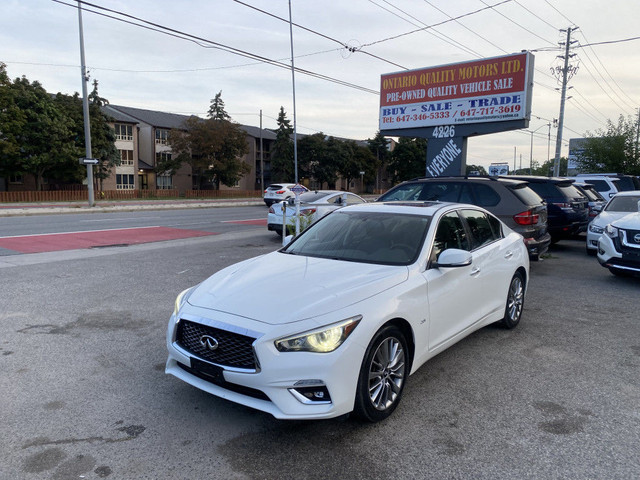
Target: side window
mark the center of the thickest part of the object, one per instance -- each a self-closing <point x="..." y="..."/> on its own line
<point x="485" y="196"/>
<point x="444" y="192"/>
<point x="496" y="226"/>
<point x="410" y="191"/>
<point x="449" y="234"/>
<point x="480" y="227"/>
<point x="353" y="199"/>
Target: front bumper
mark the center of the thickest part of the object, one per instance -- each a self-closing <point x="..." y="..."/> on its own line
<point x="275" y="387"/>
<point x="610" y="257"/>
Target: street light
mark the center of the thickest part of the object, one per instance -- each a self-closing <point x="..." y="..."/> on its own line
<point x="531" y="149"/>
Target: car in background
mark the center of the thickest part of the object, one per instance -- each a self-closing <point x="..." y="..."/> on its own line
<point x="512" y="201"/>
<point x="596" y="201"/>
<point x="624" y="183"/>
<point x="568" y="208"/>
<point x="277" y="192"/>
<point x="606" y="185"/>
<point x="620" y="205"/>
<point x="313" y="205"/>
<point x="337" y="320"/>
<point x="619" y="245"/>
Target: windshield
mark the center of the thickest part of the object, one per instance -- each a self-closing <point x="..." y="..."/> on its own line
<point x="368" y="237"/>
<point x="623" y="204"/>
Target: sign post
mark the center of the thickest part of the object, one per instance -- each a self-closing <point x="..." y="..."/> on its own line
<point x="297" y="189"/>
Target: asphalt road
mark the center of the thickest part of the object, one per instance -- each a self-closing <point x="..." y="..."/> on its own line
<point x="83" y="392"/>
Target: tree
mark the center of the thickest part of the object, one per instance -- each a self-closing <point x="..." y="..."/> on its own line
<point x="357" y="159"/>
<point x="216" y="110"/>
<point x="408" y="159"/>
<point x="614" y="149"/>
<point x="282" y="166"/>
<point x="379" y="146"/>
<point x="212" y="147"/>
<point x="12" y="124"/>
<point x="475" y="168"/>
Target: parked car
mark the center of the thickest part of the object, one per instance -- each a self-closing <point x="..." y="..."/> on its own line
<point x="512" y="201"/>
<point x="619" y="245"/>
<point x="568" y="208"/>
<point x="338" y="319"/>
<point x="596" y="201"/>
<point x="278" y="192"/>
<point x="620" y="205"/>
<point x="313" y="205"/>
<point x="606" y="185"/>
<point x="624" y="183"/>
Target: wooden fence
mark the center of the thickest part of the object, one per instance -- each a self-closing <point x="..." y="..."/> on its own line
<point x="82" y="195"/>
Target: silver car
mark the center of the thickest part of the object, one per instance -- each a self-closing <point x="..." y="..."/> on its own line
<point x="620" y="205"/>
<point x="313" y="206"/>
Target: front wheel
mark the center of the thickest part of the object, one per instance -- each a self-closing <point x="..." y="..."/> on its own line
<point x="515" y="302"/>
<point x="382" y="375"/>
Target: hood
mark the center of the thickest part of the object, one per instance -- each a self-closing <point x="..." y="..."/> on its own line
<point x="279" y="288"/>
<point x="605" y="218"/>
<point x="631" y="221"/>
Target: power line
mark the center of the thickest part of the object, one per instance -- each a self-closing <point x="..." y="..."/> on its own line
<point x="516" y="23"/>
<point x="434" y="25"/>
<point x="216" y="45"/>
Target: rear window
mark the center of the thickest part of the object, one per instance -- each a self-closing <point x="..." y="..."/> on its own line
<point x="545" y="190"/>
<point x="570" y="191"/>
<point x="312" y="196"/>
<point x="526" y="195"/>
<point x="274" y="187"/>
<point x="625" y="184"/>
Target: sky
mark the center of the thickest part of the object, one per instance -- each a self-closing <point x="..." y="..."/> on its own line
<point x="350" y="44"/>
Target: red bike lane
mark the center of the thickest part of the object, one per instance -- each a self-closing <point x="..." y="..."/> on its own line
<point x="95" y="238"/>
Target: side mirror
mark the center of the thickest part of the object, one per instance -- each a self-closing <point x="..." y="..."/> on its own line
<point x="287" y="240"/>
<point x="454" y="258"/>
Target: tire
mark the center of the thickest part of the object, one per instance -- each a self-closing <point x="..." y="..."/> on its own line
<point x="383" y="374"/>
<point x="515" y="302"/>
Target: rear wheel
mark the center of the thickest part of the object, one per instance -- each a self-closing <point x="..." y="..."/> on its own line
<point x="382" y="375"/>
<point x="515" y="302"/>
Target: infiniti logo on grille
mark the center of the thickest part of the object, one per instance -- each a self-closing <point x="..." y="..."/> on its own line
<point x="209" y="342"/>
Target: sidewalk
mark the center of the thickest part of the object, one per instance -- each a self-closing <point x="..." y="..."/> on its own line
<point x="17" y="209"/>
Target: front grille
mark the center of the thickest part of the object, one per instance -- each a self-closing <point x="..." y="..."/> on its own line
<point x="234" y="349"/>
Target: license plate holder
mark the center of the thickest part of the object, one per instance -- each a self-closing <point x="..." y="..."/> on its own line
<point x="208" y="369"/>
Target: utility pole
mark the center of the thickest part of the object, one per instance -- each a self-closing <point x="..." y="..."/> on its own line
<point x="637" y="135"/>
<point x="565" y="72"/>
<point x="85" y="110"/>
<point x="293" y="81"/>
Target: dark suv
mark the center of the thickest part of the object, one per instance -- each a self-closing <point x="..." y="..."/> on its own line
<point x="568" y="208"/>
<point x="512" y="201"/>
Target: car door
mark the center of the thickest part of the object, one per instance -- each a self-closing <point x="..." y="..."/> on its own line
<point x="490" y="259"/>
<point x="453" y="293"/>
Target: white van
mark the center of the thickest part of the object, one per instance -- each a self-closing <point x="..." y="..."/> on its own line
<point x="605" y="185"/>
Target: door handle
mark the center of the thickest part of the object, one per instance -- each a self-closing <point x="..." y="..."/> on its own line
<point x="508" y="255"/>
<point x="475" y="271"/>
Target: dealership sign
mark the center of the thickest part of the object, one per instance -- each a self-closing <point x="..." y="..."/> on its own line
<point x="489" y="90"/>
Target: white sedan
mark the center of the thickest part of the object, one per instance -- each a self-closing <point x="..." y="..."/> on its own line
<point x="337" y="320"/>
<point x="619" y="245"/>
<point x="313" y="206"/>
<point x="620" y="205"/>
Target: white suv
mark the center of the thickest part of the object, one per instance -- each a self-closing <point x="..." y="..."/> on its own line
<point x="278" y="192"/>
<point x="605" y="185"/>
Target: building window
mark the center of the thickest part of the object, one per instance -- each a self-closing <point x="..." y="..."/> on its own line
<point x="16" y="178"/>
<point x="124" y="182"/>
<point x="163" y="182"/>
<point x="126" y="157"/>
<point x="161" y="136"/>
<point x="162" y="157"/>
<point x="124" y="132"/>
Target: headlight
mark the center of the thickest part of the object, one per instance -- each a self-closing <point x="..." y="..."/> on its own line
<point x="180" y="299"/>
<point x="593" y="228"/>
<point x="322" y="340"/>
<point x="611" y="231"/>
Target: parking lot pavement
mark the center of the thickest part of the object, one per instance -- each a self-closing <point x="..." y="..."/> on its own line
<point x="84" y="394"/>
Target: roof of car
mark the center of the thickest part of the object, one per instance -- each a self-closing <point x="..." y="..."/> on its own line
<point x="408" y="207"/>
<point x="453" y="178"/>
<point x="540" y="179"/>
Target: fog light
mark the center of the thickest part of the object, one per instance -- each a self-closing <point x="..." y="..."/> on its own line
<point x="317" y="395"/>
